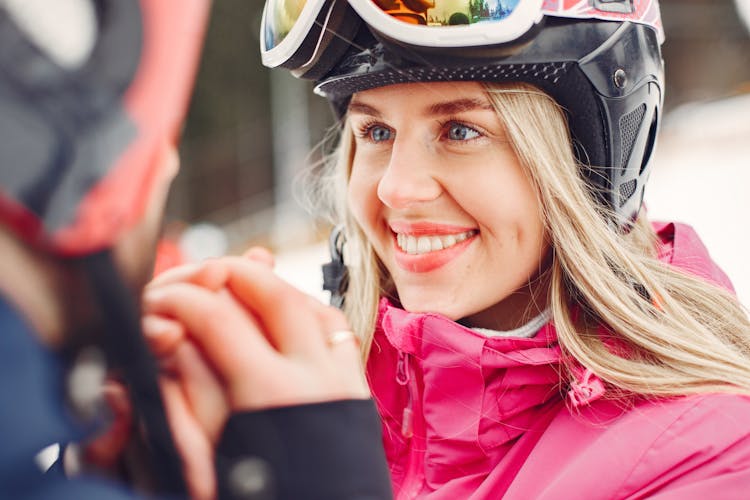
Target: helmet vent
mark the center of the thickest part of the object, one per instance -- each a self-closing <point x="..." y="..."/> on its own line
<point x="626" y="191"/>
<point x="651" y="142"/>
<point x="630" y="124"/>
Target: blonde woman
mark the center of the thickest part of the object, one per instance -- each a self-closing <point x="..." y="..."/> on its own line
<point x="528" y="332"/>
<point x="517" y="345"/>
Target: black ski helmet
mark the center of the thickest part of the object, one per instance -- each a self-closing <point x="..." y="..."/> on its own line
<point x="599" y="59"/>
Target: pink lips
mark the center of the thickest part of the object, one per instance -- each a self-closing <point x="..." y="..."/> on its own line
<point x="426" y="262"/>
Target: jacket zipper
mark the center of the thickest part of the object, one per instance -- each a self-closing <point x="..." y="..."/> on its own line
<point x="412" y="483"/>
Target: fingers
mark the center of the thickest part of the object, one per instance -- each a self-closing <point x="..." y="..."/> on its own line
<point x="301" y="326"/>
<point x="202" y="389"/>
<point x="210" y="274"/>
<point x="290" y="318"/>
<point x="191" y="442"/>
<point x="269" y="343"/>
<point x="179" y="273"/>
<point x="338" y="337"/>
<point x="261" y="255"/>
<point x="224" y="331"/>
<point x="163" y="335"/>
<point x="343" y="349"/>
<point x="292" y="321"/>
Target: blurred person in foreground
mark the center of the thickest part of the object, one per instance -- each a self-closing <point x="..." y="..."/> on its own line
<point x="92" y="96"/>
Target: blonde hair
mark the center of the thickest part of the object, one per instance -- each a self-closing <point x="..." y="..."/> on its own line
<point x="640" y="325"/>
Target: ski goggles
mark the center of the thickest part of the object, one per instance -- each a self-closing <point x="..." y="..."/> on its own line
<point x="296" y="33"/>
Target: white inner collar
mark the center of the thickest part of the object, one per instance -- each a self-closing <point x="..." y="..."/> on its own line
<point x="526" y="331"/>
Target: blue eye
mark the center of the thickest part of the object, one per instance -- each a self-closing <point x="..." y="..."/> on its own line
<point x="460" y="132"/>
<point x="380" y="134"/>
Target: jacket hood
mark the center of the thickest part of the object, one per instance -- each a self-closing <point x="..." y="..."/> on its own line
<point x="682" y="247"/>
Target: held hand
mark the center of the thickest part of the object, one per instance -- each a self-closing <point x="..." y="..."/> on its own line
<point x="197" y="409"/>
<point x="233" y="336"/>
<point x="164" y="335"/>
<point x="270" y="344"/>
<point x="193" y="395"/>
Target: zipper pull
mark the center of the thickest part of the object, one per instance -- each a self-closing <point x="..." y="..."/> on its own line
<point x="407" y="421"/>
<point x="402" y="378"/>
<point x="402" y="368"/>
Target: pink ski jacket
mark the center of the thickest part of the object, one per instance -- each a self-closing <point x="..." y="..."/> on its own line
<point x="472" y="417"/>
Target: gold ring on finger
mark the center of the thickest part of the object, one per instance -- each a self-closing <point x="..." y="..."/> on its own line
<point x="340" y="336"/>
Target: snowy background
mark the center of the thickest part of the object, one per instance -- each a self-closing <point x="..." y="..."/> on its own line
<point x="701" y="176"/>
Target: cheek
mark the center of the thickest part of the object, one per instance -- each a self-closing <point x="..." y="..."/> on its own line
<point x="505" y="205"/>
<point x="533" y="218"/>
<point x="528" y="220"/>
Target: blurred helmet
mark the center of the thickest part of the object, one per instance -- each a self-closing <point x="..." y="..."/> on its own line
<point x="599" y="59"/>
<point x="89" y="91"/>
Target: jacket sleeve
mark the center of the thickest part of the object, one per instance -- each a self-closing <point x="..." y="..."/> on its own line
<point x="732" y="485"/>
<point x="330" y="451"/>
<point x="704" y="453"/>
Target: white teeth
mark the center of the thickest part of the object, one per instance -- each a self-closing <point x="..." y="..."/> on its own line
<point x="414" y="245"/>
<point x="411" y="245"/>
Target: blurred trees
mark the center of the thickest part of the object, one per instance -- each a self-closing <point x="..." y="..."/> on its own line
<point x="225" y="151"/>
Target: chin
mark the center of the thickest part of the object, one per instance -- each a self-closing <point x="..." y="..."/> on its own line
<point x="444" y="307"/>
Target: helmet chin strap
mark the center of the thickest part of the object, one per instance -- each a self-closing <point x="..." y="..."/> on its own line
<point x="127" y="352"/>
<point x="335" y="273"/>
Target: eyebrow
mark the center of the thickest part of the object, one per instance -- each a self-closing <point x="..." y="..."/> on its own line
<point x="363" y="109"/>
<point x="459" y="106"/>
<point x="439" y="108"/>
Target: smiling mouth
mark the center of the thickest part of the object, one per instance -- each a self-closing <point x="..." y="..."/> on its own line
<point x="418" y="245"/>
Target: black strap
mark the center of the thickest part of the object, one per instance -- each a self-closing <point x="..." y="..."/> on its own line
<point x="127" y="351"/>
<point x="335" y="273"/>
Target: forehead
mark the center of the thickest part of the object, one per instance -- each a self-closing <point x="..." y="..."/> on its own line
<point x="430" y="98"/>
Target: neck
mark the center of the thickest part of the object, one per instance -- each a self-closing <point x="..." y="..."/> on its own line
<point x="517" y="309"/>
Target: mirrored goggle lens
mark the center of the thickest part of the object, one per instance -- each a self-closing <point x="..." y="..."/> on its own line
<point x="281" y="16"/>
<point x="447" y="12"/>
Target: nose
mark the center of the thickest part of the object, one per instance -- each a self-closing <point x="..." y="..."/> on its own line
<point x="408" y="178"/>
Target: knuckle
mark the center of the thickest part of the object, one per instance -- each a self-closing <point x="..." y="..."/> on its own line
<point x="212" y="321"/>
<point x="331" y="315"/>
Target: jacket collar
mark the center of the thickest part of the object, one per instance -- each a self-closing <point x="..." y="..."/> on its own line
<point x="471" y="395"/>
